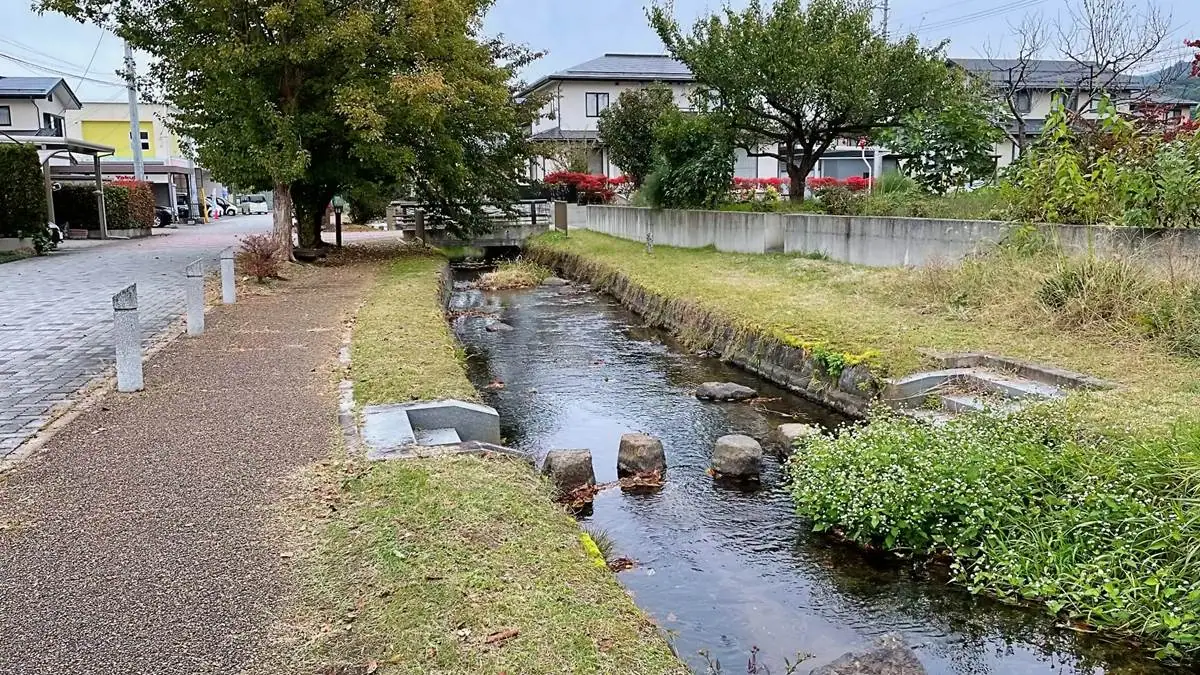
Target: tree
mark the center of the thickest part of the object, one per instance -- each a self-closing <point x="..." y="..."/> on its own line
<point x="627" y="127"/>
<point x="802" y="76"/>
<point x="953" y="145"/>
<point x="312" y="97"/>
<point x="693" y="161"/>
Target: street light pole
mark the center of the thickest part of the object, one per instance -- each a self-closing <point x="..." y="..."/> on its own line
<point x="135" y="125"/>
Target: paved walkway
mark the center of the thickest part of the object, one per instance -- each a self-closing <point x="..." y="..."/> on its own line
<point x="139" y="539"/>
<point x="56" y="312"/>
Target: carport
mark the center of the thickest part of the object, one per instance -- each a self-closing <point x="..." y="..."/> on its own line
<point x="51" y="147"/>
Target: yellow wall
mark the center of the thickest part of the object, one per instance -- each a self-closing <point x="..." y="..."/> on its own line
<point x="115" y="133"/>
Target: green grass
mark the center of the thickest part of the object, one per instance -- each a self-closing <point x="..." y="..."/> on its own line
<point x="988" y="304"/>
<point x="410" y="566"/>
<point x="431" y="557"/>
<point x="13" y="256"/>
<point x="402" y="348"/>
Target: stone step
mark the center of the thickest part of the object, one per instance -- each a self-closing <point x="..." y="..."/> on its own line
<point x="961" y="403"/>
<point x="431" y="437"/>
<point x="386" y="428"/>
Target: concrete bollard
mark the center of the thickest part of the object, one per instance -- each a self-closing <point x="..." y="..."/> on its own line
<point x="195" y="297"/>
<point x="127" y="333"/>
<point x="391" y="218"/>
<point x="228" y="283"/>
<point x="560" y="216"/>
<point x="419" y="225"/>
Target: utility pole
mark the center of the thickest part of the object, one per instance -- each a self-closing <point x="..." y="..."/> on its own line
<point x="135" y="125"/>
<point x="885" y="19"/>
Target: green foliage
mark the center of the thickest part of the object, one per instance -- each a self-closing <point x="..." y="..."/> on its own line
<point x="840" y="200"/>
<point x="1093" y="290"/>
<point x="22" y="193"/>
<point x="627" y="128"/>
<point x="694" y="166"/>
<point x="895" y="183"/>
<point x="570" y="156"/>
<point x="1102" y="531"/>
<point x="799" y="75"/>
<point x="1112" y="172"/>
<point x="126" y="206"/>
<point x="952" y="145"/>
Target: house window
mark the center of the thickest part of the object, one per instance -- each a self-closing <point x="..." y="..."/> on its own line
<point x="5" y="116"/>
<point x="52" y="123"/>
<point x="596" y="103"/>
<point x="1024" y="102"/>
<point x="1068" y="102"/>
<point x="145" y="137"/>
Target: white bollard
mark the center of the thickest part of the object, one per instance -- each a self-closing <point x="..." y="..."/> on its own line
<point x="127" y="333"/>
<point x="195" y="297"/>
<point x="228" y="285"/>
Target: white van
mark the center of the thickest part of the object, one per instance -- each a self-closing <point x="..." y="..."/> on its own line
<point x="253" y="204"/>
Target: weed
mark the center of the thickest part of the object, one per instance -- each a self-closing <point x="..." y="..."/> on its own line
<point x="259" y="256"/>
<point x="603" y="540"/>
<point x="511" y="274"/>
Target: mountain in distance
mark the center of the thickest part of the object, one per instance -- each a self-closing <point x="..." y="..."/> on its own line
<point x="1176" y="81"/>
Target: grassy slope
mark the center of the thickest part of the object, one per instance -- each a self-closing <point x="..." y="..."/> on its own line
<point x="894" y="312"/>
<point x="416" y="563"/>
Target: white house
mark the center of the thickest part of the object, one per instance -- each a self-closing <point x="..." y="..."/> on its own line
<point x="580" y="93"/>
<point x="35" y="106"/>
<point x="1035" y="86"/>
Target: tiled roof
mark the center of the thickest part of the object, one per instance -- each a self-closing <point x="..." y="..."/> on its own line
<point x="1041" y="73"/>
<point x="638" y="67"/>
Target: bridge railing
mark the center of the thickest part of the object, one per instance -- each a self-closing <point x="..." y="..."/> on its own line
<point x="535" y="212"/>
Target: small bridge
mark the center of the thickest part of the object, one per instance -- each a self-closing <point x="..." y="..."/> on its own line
<point x="511" y="226"/>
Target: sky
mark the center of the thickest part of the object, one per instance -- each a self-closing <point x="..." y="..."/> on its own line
<point x="570" y="31"/>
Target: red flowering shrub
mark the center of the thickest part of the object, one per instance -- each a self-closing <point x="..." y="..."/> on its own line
<point x="586" y="188"/>
<point x="140" y="202"/>
<point x="853" y="183"/>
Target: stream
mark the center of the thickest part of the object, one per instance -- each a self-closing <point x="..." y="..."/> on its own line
<point x="721" y="569"/>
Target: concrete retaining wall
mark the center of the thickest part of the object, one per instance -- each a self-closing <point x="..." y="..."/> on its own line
<point x="878" y="241"/>
<point x="727" y="231"/>
<point x="14" y="244"/>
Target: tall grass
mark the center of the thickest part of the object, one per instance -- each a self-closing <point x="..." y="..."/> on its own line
<point x="1028" y="508"/>
<point x="510" y="274"/>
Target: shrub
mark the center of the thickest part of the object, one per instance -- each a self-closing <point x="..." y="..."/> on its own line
<point x="841" y="200"/>
<point x="259" y="256"/>
<point x="1026" y="507"/>
<point x="22" y="194"/>
<point x="139" y="211"/>
<point x="127" y="205"/>
<point x="695" y="162"/>
<point x="584" y="188"/>
<point x="894" y="182"/>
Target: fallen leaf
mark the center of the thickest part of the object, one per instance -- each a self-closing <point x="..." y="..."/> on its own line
<point x="621" y="564"/>
<point x="372" y="666"/>
<point x="500" y="636"/>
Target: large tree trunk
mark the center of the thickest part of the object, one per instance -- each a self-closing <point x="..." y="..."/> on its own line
<point x="311" y="203"/>
<point x="282" y="218"/>
<point x="798" y="172"/>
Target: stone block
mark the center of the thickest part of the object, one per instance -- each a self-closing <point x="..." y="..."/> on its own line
<point x="569" y="470"/>
<point x="724" y="391"/>
<point x="640" y="454"/>
<point x="784" y="437"/>
<point x="738" y="457"/>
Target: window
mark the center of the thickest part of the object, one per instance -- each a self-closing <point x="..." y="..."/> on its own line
<point x="5" y="116"/>
<point x="145" y="138"/>
<point x="1024" y="102"/>
<point x="596" y="103"/>
<point x="1061" y="98"/>
<point x="52" y="123"/>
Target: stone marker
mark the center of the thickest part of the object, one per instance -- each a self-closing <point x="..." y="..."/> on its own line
<point x="640" y="454"/>
<point x="724" y="391"/>
<point x="127" y="332"/>
<point x="498" y="327"/>
<point x="738" y="457"/>
<point x="785" y="436"/>
<point x="569" y="470"/>
<point x="419" y="226"/>
<point x="194" y="290"/>
<point x="228" y="283"/>
<point x="554" y="281"/>
<point x="560" y="216"/>
<point x="889" y="656"/>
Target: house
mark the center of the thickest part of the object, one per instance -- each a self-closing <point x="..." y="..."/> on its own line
<point x="1035" y="86"/>
<point x="174" y="177"/>
<point x="577" y="96"/>
<point x="1167" y="109"/>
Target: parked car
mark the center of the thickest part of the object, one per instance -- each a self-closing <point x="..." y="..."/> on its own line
<point x="163" y="216"/>
<point x="253" y="204"/>
<point x="227" y="209"/>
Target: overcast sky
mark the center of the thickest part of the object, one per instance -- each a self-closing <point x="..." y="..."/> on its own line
<point x="570" y="31"/>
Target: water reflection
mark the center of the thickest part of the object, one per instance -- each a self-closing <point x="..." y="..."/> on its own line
<point x="725" y="569"/>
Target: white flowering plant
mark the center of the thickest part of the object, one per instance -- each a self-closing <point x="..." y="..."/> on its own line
<point x="1102" y="531"/>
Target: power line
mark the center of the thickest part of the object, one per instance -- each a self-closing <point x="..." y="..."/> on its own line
<point x="92" y="60"/>
<point x="978" y="15"/>
<point x="56" y="71"/>
<point x="54" y="59"/>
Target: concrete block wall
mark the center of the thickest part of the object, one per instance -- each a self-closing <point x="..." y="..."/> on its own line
<point x="880" y="241"/>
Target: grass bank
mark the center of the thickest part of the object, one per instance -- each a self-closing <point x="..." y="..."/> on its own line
<point x="454" y="565"/>
<point x="988" y="304"/>
<point x="1087" y="507"/>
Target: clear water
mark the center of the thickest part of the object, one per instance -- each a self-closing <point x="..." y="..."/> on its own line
<point x="722" y="569"/>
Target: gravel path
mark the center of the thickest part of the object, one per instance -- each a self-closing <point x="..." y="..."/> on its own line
<point x="138" y="540"/>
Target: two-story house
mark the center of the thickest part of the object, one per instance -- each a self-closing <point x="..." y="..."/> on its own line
<point x="35" y="106"/>
<point x="577" y="95"/>
<point x="1033" y="87"/>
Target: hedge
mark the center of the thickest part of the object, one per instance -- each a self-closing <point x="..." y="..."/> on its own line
<point x="128" y="205"/>
<point x="22" y="192"/>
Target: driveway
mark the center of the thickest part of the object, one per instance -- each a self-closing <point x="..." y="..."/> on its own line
<point x="56" y="312"/>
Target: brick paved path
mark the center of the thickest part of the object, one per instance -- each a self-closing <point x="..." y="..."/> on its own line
<point x="56" y="313"/>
